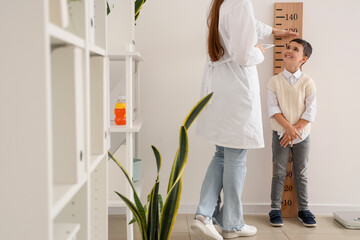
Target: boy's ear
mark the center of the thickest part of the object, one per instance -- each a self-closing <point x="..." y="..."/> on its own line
<point x="304" y="59"/>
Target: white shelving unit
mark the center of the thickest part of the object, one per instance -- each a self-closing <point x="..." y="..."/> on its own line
<point x="124" y="81"/>
<point x="55" y="128"/>
<point x="133" y="126"/>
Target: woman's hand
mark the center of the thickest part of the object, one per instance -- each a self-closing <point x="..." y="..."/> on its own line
<point x="260" y="47"/>
<point x="284" y="33"/>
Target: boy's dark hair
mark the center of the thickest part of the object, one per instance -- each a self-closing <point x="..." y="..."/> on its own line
<point x="305" y="44"/>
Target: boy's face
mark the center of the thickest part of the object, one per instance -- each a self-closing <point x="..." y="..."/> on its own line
<point x="294" y="55"/>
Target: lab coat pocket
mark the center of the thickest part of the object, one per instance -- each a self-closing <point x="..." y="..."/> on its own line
<point x="239" y="74"/>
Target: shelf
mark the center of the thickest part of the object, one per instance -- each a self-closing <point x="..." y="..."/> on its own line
<point x="116" y="204"/>
<point x="123" y="128"/>
<point x="62" y="195"/>
<point x="121" y="56"/>
<point x="60" y="36"/>
<point x="96" y="160"/>
<point x="67" y="106"/>
<point x="96" y="50"/>
<point x="66" y="231"/>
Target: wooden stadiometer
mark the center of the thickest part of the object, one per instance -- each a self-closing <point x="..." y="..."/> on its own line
<point x="287" y="16"/>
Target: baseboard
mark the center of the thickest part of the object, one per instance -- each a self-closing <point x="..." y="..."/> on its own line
<point x="259" y="208"/>
<point x="264" y="208"/>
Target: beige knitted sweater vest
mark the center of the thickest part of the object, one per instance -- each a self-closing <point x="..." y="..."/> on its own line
<point x="291" y="99"/>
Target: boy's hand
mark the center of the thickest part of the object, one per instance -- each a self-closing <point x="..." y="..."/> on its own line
<point x="290" y="134"/>
<point x="284" y="143"/>
<point x="286" y="139"/>
<point x="301" y="124"/>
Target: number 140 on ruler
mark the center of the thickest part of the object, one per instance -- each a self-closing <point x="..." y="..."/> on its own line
<point x="288" y="16"/>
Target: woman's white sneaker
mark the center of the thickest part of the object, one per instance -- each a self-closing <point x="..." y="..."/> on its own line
<point x="206" y="231"/>
<point x="246" y="231"/>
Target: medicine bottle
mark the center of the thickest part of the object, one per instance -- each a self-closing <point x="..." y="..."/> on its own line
<point x="120" y="111"/>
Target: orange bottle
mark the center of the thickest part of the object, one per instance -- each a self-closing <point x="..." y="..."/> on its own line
<point x="120" y="111"/>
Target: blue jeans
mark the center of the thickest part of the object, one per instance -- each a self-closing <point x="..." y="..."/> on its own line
<point x="226" y="172"/>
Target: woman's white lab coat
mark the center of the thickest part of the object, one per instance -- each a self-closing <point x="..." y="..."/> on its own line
<point x="233" y="117"/>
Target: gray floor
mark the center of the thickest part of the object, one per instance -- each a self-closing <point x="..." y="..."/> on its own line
<point x="327" y="229"/>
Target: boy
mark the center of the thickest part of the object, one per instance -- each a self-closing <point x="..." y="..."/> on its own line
<point x="292" y="107"/>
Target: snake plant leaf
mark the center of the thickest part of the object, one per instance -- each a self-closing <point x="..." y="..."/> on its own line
<point x="138" y="5"/>
<point x="107" y="8"/>
<point x="180" y="159"/>
<point x="153" y="214"/>
<point x="172" y="201"/>
<point x="190" y="118"/>
<point x="136" y="196"/>
<point x="132" y="221"/>
<point x="134" y="210"/>
<point x="169" y="211"/>
<point x="196" y="110"/>
<point x="158" y="159"/>
<point x="160" y="202"/>
<point x="171" y="178"/>
<point x="146" y="212"/>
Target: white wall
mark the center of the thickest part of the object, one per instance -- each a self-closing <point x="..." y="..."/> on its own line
<point x="171" y="36"/>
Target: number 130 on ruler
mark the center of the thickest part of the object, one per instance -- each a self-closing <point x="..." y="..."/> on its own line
<point x="288" y="16"/>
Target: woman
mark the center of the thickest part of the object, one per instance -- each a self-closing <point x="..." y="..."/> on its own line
<point x="232" y="120"/>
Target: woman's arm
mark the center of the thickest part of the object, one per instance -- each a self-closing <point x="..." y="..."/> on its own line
<point x="284" y="33"/>
<point x="243" y="35"/>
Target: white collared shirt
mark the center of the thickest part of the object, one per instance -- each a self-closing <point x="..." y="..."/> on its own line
<point x="310" y="102"/>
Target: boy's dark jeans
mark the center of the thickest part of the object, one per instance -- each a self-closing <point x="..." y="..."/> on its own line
<point x="300" y="153"/>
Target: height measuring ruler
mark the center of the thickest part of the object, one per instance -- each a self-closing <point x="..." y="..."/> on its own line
<point x="288" y="16"/>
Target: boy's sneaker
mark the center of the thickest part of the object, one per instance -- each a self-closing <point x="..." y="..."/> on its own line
<point x="307" y="218"/>
<point x="204" y="228"/>
<point x="246" y="231"/>
<point x="275" y="218"/>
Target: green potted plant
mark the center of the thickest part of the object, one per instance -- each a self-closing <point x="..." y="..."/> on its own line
<point x="156" y="219"/>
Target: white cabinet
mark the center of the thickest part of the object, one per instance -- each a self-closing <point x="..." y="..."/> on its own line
<point x="54" y="120"/>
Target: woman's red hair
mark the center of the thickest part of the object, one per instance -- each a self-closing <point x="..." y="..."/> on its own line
<point x="216" y="51"/>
